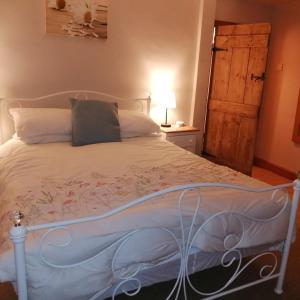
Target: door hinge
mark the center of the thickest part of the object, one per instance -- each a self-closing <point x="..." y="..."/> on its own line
<point x="216" y="49"/>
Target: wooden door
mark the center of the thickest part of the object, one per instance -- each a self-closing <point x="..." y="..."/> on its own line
<point x="240" y="56"/>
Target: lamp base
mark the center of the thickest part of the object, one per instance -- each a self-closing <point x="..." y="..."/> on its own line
<point x="165" y="125"/>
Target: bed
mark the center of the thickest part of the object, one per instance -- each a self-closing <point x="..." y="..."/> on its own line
<point x="113" y="217"/>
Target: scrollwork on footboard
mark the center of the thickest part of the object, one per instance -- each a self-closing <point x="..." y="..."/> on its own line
<point x="132" y="277"/>
<point x="192" y="235"/>
<point x="187" y="241"/>
<point x="197" y="231"/>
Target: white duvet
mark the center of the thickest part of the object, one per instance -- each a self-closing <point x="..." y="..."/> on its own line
<point x="53" y="182"/>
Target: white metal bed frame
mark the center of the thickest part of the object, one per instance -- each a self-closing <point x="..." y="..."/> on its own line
<point x="268" y="272"/>
<point x="19" y="232"/>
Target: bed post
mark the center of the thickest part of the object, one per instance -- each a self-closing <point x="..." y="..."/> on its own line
<point x="18" y="236"/>
<point x="289" y="238"/>
<point x="148" y="105"/>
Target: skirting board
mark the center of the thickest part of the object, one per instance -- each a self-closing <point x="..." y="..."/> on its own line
<point x="274" y="168"/>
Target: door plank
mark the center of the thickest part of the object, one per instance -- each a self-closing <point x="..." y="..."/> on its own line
<point x="245" y="142"/>
<point x="244" y="29"/>
<point x="248" y="111"/>
<point x="242" y="41"/>
<point x="214" y="129"/>
<point x="257" y="66"/>
<point x="238" y="75"/>
<point x="221" y="73"/>
<point x="229" y="139"/>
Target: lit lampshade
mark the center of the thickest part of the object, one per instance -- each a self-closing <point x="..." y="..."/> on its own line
<point x="165" y="99"/>
<point x="168" y="100"/>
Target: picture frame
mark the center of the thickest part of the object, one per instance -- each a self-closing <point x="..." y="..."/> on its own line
<point x="77" y="18"/>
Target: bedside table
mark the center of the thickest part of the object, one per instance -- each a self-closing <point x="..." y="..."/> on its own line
<point x="185" y="137"/>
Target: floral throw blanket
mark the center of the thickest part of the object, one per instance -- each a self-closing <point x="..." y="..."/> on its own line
<point x="54" y="182"/>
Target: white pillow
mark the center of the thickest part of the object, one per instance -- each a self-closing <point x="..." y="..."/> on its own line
<point x="133" y="124"/>
<point x="42" y="125"/>
<point x="50" y="125"/>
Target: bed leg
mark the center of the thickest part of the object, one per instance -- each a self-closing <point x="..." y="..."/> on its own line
<point x="18" y="236"/>
<point x="288" y="242"/>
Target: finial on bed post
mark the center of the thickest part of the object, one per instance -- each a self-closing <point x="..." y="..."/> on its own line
<point x="17" y="217"/>
<point x="148" y="105"/>
<point x="18" y="236"/>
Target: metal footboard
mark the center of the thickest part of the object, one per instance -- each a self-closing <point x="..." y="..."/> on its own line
<point x="184" y="243"/>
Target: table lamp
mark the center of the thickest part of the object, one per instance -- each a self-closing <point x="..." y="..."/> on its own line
<point x="166" y="100"/>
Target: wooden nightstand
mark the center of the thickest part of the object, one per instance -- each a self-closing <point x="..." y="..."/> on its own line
<point x="185" y="137"/>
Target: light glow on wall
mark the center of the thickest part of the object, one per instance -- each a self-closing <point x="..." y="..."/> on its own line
<point x="162" y="83"/>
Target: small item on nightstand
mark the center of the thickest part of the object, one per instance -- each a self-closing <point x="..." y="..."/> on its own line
<point x="179" y="124"/>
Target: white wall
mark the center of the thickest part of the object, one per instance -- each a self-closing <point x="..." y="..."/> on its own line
<point x="203" y="64"/>
<point x="144" y="37"/>
<point x="281" y="91"/>
<point x="242" y="11"/>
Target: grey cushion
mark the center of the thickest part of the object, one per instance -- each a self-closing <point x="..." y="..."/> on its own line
<point x="94" y="121"/>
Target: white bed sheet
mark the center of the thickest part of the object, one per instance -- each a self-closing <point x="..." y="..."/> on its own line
<point x="54" y="182"/>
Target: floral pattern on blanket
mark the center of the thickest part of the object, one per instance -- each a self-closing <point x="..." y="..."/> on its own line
<point x="95" y="193"/>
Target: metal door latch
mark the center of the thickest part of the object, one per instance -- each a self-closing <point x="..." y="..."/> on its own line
<point x="255" y="77"/>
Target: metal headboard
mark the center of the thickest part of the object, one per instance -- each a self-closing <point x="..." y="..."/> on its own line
<point x="61" y="100"/>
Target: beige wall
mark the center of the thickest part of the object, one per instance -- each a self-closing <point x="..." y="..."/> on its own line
<point x="144" y="38"/>
<point x="242" y="11"/>
<point x="277" y="116"/>
<point x="203" y="64"/>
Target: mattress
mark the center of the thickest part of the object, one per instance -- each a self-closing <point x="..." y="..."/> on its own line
<point x="54" y="182"/>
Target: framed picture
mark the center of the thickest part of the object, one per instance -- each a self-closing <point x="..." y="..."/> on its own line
<point x="296" y="135"/>
<point x="82" y="18"/>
